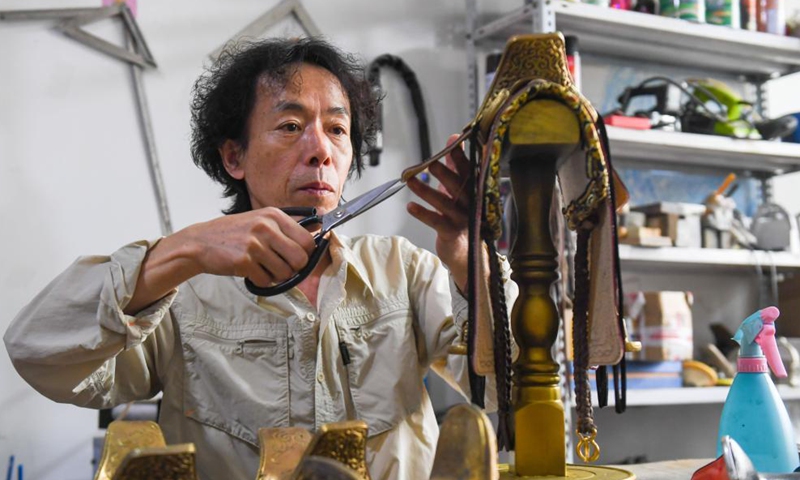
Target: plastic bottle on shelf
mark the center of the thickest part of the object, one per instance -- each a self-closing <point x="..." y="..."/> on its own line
<point x="771" y="16"/>
<point x="747" y="11"/>
<point x="754" y="414"/>
<point x="775" y="17"/>
<point x="723" y="12"/>
<point x="646" y="6"/>
<point x="692" y="10"/>
<point x="668" y="8"/>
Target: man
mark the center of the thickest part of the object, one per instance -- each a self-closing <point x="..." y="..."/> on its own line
<point x="279" y="124"/>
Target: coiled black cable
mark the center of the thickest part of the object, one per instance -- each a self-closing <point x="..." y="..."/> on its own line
<point x="410" y="79"/>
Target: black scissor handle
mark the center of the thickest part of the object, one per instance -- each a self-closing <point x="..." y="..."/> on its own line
<point x="310" y="216"/>
<point x="322" y="246"/>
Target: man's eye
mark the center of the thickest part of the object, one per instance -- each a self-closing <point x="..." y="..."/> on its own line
<point x="339" y="131"/>
<point x="291" y="127"/>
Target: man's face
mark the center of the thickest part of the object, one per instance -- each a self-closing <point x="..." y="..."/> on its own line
<point x="299" y="150"/>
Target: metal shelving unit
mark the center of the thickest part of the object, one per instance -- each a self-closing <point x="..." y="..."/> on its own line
<point x="651" y="38"/>
<point x="752" y="56"/>
<point x="705" y="259"/>
<point x="690" y="396"/>
<point x="631" y="147"/>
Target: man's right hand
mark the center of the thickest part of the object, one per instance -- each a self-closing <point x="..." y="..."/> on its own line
<point x="264" y="245"/>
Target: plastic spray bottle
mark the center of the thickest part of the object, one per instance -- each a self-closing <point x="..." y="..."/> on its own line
<point x="754" y="414"/>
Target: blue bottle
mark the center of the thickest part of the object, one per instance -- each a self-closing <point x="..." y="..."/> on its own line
<point x="754" y="414"/>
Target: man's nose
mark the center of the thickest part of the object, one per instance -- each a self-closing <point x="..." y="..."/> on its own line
<point x="319" y="147"/>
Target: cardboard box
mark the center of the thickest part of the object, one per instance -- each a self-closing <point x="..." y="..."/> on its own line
<point x="678" y="221"/>
<point x="645" y="237"/>
<point x="662" y="321"/>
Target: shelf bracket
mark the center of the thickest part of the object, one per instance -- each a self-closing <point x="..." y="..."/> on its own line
<point x="544" y="16"/>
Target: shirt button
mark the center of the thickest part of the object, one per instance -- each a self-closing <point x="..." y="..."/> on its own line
<point x="311" y="317"/>
<point x="320" y="378"/>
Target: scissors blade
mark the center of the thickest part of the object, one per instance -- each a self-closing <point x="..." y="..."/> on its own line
<point x="361" y="204"/>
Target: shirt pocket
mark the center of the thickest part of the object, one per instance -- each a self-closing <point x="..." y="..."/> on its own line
<point x="236" y="379"/>
<point x="384" y="371"/>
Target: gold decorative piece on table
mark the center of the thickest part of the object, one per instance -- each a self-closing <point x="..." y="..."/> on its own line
<point x="467" y="449"/>
<point x="137" y="450"/>
<point x="281" y="451"/>
<point x="173" y="462"/>
<point x="286" y="452"/>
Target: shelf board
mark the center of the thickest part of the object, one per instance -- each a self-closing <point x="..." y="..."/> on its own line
<point x="704" y="258"/>
<point x="652" y="38"/>
<point x="687" y="396"/>
<point x="630" y="146"/>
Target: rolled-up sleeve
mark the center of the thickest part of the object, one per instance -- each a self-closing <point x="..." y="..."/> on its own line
<point x="442" y="313"/>
<point x="73" y="342"/>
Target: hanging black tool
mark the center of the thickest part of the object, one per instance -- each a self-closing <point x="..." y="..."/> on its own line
<point x="410" y="79"/>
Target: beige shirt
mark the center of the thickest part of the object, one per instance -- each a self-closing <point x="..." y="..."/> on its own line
<point x="229" y="362"/>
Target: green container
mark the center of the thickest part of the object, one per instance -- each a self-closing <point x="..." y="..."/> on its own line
<point x="723" y="12"/>
<point x="668" y="8"/>
<point x="692" y="10"/>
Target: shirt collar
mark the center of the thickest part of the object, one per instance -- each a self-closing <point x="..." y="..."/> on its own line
<point x="341" y="252"/>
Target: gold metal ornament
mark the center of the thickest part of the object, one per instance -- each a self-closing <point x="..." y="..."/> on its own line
<point x="173" y="462"/>
<point x="345" y="442"/>
<point x="134" y="450"/>
<point x="281" y="451"/>
<point x="285" y="452"/>
<point x="467" y="449"/>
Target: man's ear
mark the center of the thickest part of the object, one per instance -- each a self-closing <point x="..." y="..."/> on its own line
<point x="231" y="153"/>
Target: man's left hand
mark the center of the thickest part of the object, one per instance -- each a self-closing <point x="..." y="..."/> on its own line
<point x="450" y="217"/>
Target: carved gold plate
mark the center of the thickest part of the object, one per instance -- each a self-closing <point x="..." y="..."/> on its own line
<point x="121" y="438"/>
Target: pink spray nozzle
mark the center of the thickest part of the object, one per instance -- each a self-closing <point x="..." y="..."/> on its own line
<point x="770" y="314"/>
<point x="766" y="340"/>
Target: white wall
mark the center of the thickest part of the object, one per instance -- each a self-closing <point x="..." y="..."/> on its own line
<point x="73" y="174"/>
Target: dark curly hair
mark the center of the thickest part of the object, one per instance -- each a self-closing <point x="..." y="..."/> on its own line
<point x="225" y="94"/>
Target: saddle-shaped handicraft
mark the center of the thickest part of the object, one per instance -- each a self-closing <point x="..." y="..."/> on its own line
<point x="531" y="87"/>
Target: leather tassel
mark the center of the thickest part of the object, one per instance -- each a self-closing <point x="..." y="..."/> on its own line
<point x="477" y="383"/>
<point x="620" y="386"/>
<point x="601" y="381"/>
<point x="580" y="335"/>
<point x="502" y="353"/>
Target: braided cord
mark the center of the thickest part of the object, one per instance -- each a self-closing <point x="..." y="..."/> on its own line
<point x="502" y="353"/>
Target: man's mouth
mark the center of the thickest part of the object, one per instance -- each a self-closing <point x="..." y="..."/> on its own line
<point x="317" y="188"/>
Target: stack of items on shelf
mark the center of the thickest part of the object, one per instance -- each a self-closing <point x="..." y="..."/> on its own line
<point x="662" y="224"/>
<point x="662" y="323"/>
<point x="705" y="106"/>
<point x="715" y="224"/>
<point x="767" y="16"/>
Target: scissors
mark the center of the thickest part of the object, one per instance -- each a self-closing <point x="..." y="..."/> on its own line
<point x="329" y="221"/>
